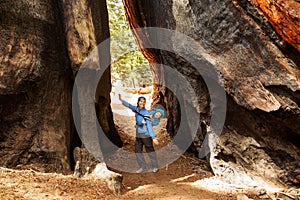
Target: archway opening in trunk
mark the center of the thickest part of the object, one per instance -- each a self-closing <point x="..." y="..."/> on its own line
<point x="131" y="75"/>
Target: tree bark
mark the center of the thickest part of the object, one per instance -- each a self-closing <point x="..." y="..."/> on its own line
<point x="284" y="18"/>
<point x="136" y="23"/>
<point x="36" y="81"/>
<point x="42" y="42"/>
<point x="254" y="48"/>
<point x="86" y="27"/>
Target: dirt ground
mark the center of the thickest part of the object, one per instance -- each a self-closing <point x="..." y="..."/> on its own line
<point x="170" y="183"/>
<point x="173" y="182"/>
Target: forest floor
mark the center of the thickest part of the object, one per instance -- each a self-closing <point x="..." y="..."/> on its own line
<point x="175" y="181"/>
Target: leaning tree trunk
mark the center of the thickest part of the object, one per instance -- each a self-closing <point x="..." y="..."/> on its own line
<point x="254" y="46"/>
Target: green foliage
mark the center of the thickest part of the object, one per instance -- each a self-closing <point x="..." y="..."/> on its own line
<point x="131" y="68"/>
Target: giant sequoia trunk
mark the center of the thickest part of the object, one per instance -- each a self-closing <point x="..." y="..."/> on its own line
<point x="43" y="44"/>
<point x="254" y="47"/>
<point x="36" y="83"/>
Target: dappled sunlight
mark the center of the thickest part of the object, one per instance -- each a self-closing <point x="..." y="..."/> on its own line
<point x="214" y="184"/>
<point x="143" y="187"/>
<point x="175" y="181"/>
<point x="182" y="178"/>
<point x="166" y="189"/>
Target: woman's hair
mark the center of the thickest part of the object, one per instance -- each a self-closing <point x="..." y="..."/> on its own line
<point x="140" y="98"/>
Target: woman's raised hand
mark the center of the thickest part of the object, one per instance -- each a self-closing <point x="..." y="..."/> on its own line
<point x="120" y="97"/>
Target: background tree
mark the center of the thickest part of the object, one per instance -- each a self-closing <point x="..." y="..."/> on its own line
<point x="131" y="68"/>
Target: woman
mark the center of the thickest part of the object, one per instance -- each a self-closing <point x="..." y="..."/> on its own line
<point x="144" y="134"/>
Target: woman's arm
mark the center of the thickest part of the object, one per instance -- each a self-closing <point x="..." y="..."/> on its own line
<point x="125" y="103"/>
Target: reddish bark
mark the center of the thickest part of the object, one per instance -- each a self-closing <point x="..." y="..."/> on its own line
<point x="152" y="55"/>
<point x="284" y="15"/>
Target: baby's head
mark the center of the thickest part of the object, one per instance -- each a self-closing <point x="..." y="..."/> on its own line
<point x="157" y="115"/>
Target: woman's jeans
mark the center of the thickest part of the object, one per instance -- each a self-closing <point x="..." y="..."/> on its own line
<point x="139" y="143"/>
